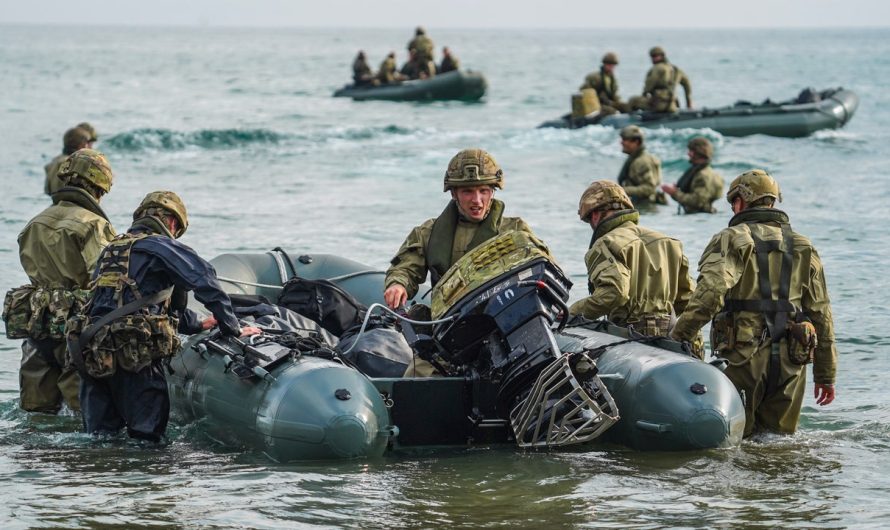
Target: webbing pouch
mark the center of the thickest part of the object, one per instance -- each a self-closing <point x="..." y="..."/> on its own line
<point x="17" y="311"/>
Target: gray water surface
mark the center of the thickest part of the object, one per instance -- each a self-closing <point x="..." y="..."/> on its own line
<point x="242" y="125"/>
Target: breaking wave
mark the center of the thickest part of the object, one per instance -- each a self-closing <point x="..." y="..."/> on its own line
<point x="168" y="140"/>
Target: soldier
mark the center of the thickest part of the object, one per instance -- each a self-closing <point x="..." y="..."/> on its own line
<point x="387" y="73"/>
<point x="423" y="45"/>
<point x="637" y="277"/>
<point x="471" y="217"/>
<point x="416" y="68"/>
<point x="130" y="325"/>
<point x="660" y="89"/>
<point x="94" y="136"/>
<point x="361" y="72"/>
<point x="700" y="185"/>
<point x="75" y="138"/>
<point x="606" y="86"/>
<point x="58" y="250"/>
<point x="450" y="63"/>
<point x="641" y="173"/>
<point x="762" y="286"/>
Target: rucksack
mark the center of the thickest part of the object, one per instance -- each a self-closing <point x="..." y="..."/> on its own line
<point x="324" y="302"/>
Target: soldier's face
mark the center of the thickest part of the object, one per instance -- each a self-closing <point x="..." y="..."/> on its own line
<point x="629" y="145"/>
<point x="473" y="201"/>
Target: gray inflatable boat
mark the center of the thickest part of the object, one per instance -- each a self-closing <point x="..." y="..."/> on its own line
<point x="518" y="373"/>
<point x="464" y="85"/>
<point x="811" y="111"/>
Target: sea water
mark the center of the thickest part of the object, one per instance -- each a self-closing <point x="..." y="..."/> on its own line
<point x="241" y="123"/>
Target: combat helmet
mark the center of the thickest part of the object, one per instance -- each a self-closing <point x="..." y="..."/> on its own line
<point x="160" y="203"/>
<point x="656" y="50"/>
<point x="602" y="195"/>
<point x="94" y="136"/>
<point x="752" y="186"/>
<point x="701" y="146"/>
<point x="74" y="139"/>
<point x="632" y="132"/>
<point x="90" y="165"/>
<point x="473" y="167"/>
<point x="610" y="58"/>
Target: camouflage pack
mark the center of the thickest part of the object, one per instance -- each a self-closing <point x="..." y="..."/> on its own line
<point x="489" y="260"/>
<point x="17" y="311"/>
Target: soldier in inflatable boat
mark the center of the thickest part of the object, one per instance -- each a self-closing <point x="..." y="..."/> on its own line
<point x="471" y="217"/>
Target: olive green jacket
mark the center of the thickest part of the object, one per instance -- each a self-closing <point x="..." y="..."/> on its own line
<point x="53" y="182"/>
<point x="633" y="272"/>
<point x="606" y="87"/>
<point x="360" y="70"/>
<point x="423" y="45"/>
<point x="60" y="246"/>
<point x="705" y="187"/>
<point x="387" y="72"/>
<point x="640" y="176"/>
<point x="661" y="86"/>
<point x="449" y="64"/>
<point x="409" y="266"/>
<point x="728" y="269"/>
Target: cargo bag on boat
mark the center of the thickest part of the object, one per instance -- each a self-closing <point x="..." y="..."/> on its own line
<point x="324" y="302"/>
<point x="379" y="352"/>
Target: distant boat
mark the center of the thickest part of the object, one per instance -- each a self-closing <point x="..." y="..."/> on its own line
<point x="458" y="85"/>
<point x="810" y="112"/>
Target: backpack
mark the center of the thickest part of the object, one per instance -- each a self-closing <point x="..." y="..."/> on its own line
<point x="324" y="302"/>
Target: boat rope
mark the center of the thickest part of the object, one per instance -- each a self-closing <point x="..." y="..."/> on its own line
<point x="398" y="316"/>
<point x="279" y="287"/>
<point x="245" y="282"/>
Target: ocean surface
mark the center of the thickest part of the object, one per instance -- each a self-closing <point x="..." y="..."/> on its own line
<point x="241" y="123"/>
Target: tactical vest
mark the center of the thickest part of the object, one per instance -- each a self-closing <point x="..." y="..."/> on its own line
<point x="438" y="250"/>
<point x="624" y="174"/>
<point x="779" y="314"/>
<point x="663" y="92"/>
<point x="608" y="82"/>
<point x="130" y="337"/>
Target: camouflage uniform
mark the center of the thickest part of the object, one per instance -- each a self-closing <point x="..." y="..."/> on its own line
<point x="660" y="89"/>
<point x="132" y="390"/>
<point x="361" y="72"/>
<point x="438" y="243"/>
<point x="75" y="138"/>
<point x="636" y="276"/>
<point x="698" y="188"/>
<point x="450" y="63"/>
<point x="58" y="250"/>
<point x="640" y="176"/>
<point x="387" y="73"/>
<point x="415" y="67"/>
<point x="411" y="263"/>
<point x="749" y="329"/>
<point x="423" y="45"/>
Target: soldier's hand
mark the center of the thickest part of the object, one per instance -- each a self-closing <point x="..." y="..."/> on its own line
<point x="246" y="331"/>
<point x="395" y="296"/>
<point x="823" y="393"/>
<point x="208" y="323"/>
<point x="670" y="189"/>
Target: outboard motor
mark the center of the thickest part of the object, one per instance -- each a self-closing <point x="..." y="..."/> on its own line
<point x="505" y="296"/>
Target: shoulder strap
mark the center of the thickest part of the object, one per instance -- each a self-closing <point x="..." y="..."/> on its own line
<point x="775" y="310"/>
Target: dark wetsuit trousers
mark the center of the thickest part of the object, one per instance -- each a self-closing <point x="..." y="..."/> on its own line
<point x="138" y="401"/>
